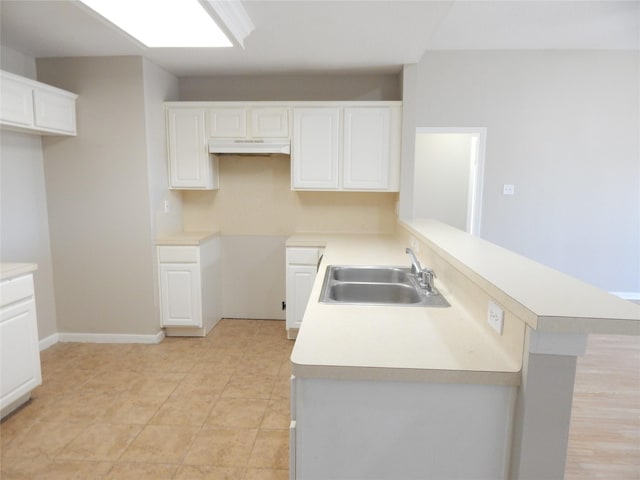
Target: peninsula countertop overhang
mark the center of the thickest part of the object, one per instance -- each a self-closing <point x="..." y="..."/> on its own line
<point x="548" y="300"/>
<point x="444" y="345"/>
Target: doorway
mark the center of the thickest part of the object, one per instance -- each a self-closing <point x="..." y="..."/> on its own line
<point x="449" y="168"/>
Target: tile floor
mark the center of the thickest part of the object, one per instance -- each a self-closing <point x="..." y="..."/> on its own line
<point x="188" y="408"/>
<point x="218" y="408"/>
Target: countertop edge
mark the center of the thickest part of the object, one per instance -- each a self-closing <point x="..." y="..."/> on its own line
<point x="11" y="270"/>
<point x="567" y="305"/>
<point x="186" y="238"/>
<point x="337" y="372"/>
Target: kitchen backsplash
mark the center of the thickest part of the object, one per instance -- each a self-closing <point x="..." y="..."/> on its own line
<point x="255" y="198"/>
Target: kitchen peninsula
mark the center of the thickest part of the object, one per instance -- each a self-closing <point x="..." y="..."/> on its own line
<point x="406" y="392"/>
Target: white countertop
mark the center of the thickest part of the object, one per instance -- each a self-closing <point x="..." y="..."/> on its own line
<point x="186" y="238"/>
<point x="10" y="270"/>
<point x="548" y="300"/>
<point x="392" y="342"/>
<point x="444" y="345"/>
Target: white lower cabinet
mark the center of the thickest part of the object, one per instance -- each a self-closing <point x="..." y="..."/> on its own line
<point x="302" y="269"/>
<point x="190" y="287"/>
<point x="180" y="287"/>
<point x="19" y="346"/>
<point x="385" y="429"/>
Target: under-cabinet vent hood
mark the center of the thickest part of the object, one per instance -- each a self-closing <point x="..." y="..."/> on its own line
<point x="265" y="146"/>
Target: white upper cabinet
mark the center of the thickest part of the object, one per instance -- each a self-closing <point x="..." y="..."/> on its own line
<point x="190" y="165"/>
<point x="316" y="139"/>
<point x="335" y="146"/>
<point x="33" y="107"/>
<point x="17" y="102"/>
<point x="248" y="122"/>
<point x="269" y="122"/>
<point x="347" y="147"/>
<point x="366" y="148"/>
<point x="227" y="122"/>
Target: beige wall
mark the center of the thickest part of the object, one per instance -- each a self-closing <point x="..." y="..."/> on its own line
<point x="255" y="198"/>
<point x="98" y="196"/>
<point x="563" y="127"/>
<point x="24" y="223"/>
<point x="292" y="87"/>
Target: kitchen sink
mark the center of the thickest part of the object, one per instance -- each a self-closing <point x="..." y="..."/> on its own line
<point x="371" y="274"/>
<point x="376" y="285"/>
<point x="373" y="293"/>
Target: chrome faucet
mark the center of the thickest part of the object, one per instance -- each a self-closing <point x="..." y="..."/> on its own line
<point x="424" y="275"/>
<point x="415" y="264"/>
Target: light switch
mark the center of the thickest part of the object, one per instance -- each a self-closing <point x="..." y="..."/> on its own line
<point x="508" y="189"/>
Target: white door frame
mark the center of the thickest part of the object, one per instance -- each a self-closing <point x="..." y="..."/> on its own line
<point x="476" y="177"/>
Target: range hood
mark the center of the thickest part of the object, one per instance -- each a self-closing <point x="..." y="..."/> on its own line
<point x="231" y="146"/>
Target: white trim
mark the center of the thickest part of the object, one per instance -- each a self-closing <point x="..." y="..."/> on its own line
<point x="476" y="227"/>
<point x="552" y="343"/>
<point x="627" y="295"/>
<point x="110" y="338"/>
<point x="49" y="341"/>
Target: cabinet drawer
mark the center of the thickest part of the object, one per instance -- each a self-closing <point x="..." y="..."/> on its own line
<point x="303" y="256"/>
<point x="178" y="254"/>
<point x="16" y="289"/>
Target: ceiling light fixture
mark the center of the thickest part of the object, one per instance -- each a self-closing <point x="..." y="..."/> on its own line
<point x="177" y="23"/>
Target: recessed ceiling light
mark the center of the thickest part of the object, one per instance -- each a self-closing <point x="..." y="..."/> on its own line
<point x="163" y="23"/>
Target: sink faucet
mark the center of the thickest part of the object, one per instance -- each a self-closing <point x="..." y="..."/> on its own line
<point x="415" y="264"/>
<point x="424" y="275"/>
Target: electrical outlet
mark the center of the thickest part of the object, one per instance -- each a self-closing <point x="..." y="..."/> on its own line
<point x="495" y="317"/>
<point x="508" y="189"/>
<point x="166" y="206"/>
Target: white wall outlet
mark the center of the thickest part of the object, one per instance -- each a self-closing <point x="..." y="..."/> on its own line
<point x="166" y="206"/>
<point x="495" y="317"/>
<point x="508" y="189"/>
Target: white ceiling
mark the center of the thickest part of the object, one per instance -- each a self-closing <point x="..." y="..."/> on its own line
<point x="297" y="36"/>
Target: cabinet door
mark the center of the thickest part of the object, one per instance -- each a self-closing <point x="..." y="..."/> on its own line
<point x="315" y="148"/>
<point x="300" y="280"/>
<point x="190" y="166"/>
<point x="16" y="102"/>
<point x="54" y="111"/>
<point x="180" y="295"/>
<point x="270" y="123"/>
<point x="366" y="148"/>
<point x="19" y="351"/>
<point x="227" y="122"/>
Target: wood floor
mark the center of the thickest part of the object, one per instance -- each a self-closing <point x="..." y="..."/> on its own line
<point x="604" y="439"/>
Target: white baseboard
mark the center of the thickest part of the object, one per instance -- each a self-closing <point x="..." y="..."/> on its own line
<point x="100" y="338"/>
<point x="48" y="341"/>
<point x="633" y="296"/>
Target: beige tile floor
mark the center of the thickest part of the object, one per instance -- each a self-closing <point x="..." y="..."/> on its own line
<point x="218" y="408"/>
<point x="188" y="408"/>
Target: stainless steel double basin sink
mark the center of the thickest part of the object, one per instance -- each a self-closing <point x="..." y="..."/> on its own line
<point x="376" y="285"/>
